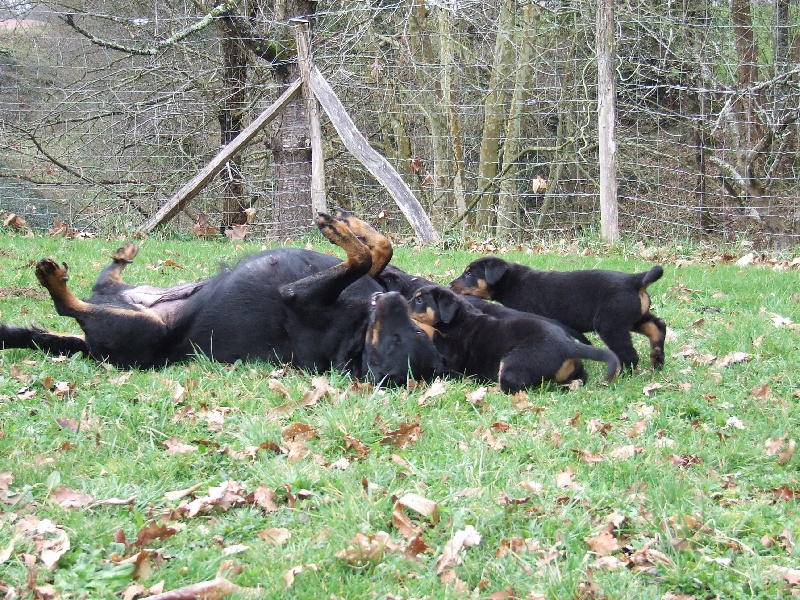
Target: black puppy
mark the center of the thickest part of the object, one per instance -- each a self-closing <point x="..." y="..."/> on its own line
<point x="287" y="305"/>
<point x="517" y="352"/>
<point x="610" y="303"/>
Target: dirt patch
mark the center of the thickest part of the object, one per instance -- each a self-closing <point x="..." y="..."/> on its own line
<point x="14" y="291"/>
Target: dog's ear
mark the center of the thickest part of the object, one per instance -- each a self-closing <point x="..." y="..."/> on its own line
<point x="448" y="306"/>
<point x="494" y="272"/>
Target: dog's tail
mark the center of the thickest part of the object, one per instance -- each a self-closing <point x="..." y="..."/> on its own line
<point x="34" y="338"/>
<point x="651" y="276"/>
<point x="605" y="355"/>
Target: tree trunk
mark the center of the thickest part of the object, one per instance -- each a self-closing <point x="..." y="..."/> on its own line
<point x="508" y="200"/>
<point x="422" y="52"/>
<point x="446" y="81"/>
<point x="494" y="112"/>
<point x="290" y="167"/>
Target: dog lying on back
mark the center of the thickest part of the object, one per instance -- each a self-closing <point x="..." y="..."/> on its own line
<point x="515" y="351"/>
<point x="611" y="303"/>
<point x="287" y="305"/>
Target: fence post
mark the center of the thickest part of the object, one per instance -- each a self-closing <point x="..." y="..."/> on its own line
<point x="606" y="115"/>
<point x="302" y="35"/>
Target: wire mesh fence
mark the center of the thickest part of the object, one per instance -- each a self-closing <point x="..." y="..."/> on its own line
<point x="488" y="110"/>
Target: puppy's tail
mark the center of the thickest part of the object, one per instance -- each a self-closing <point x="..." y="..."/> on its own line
<point x="605" y="355"/>
<point x="651" y="276"/>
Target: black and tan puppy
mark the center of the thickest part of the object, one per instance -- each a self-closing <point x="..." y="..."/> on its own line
<point x="610" y="303"/>
<point x="517" y="352"/>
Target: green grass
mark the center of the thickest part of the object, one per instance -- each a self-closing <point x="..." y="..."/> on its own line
<point x="698" y="505"/>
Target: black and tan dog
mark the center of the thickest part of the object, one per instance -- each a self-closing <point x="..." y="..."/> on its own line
<point x="517" y="352"/>
<point x="288" y="305"/>
<point x="611" y="303"/>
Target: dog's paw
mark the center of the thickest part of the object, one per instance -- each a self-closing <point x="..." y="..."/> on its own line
<point x="50" y="273"/>
<point x="126" y="254"/>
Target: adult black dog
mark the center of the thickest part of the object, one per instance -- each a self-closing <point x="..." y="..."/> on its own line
<point x="610" y="303"/>
<point x="517" y="352"/>
<point x="289" y="305"/>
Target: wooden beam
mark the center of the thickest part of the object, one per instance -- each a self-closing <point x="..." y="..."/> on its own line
<point x="193" y="187"/>
<point x="374" y="162"/>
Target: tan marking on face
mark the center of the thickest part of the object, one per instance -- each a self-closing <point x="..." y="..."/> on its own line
<point x="479" y="290"/>
<point x="644" y="300"/>
<point x="426" y="318"/>
<point x="429" y="331"/>
<point x="566" y="371"/>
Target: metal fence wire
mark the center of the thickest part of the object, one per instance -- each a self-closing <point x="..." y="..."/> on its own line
<point x="487" y="109"/>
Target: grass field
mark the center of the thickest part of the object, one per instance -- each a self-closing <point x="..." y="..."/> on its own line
<point x="675" y="484"/>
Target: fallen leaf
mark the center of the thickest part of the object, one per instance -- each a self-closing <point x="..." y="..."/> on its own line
<point x="437" y="388"/>
<point x="464" y="538"/>
<point x="68" y="498"/>
<point x="276" y="536"/>
<point x="603" y="543"/>
<point x="175" y="446"/>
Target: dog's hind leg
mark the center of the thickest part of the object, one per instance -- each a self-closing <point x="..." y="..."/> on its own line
<point x="655" y="330"/>
<point x="325" y="286"/>
<point x="111" y="276"/>
<point x="379" y="245"/>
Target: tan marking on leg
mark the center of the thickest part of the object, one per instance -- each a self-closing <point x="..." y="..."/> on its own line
<point x="379" y="245"/>
<point x="644" y="300"/>
<point x="121" y="259"/>
<point x="337" y="232"/>
<point x="566" y="371"/>
<point x="653" y="333"/>
<point x="53" y="277"/>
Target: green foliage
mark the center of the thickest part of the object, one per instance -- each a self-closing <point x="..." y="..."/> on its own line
<point x="689" y="470"/>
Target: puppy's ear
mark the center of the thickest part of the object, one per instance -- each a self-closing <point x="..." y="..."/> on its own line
<point x="448" y="306"/>
<point x="494" y="272"/>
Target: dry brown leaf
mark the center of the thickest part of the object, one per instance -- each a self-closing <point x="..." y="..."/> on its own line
<point x="638" y="428"/>
<point x="420" y="505"/>
<point x="263" y="497"/>
<point x="69" y="498"/>
<point x="588" y="456"/>
<point x="175" y="446"/>
<point x="276" y="536"/>
<point x="208" y="590"/>
<point x="236" y="233"/>
<point x="290" y="575"/>
<point x="298" y="432"/>
<point x="733" y="358"/>
<point x="463" y="538"/>
<point x="566" y="478"/>
<point x="603" y="543"/>
<point x="625" y="452"/>
<point x="437" y="388"/>
<point x="477" y="396"/>
<point x="405" y="434"/>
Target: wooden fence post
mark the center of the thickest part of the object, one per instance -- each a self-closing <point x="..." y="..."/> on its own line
<point x="302" y="35"/>
<point x="606" y="109"/>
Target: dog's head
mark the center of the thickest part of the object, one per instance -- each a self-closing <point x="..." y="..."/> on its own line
<point x="395" y="348"/>
<point x="481" y="277"/>
<point x="435" y="306"/>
